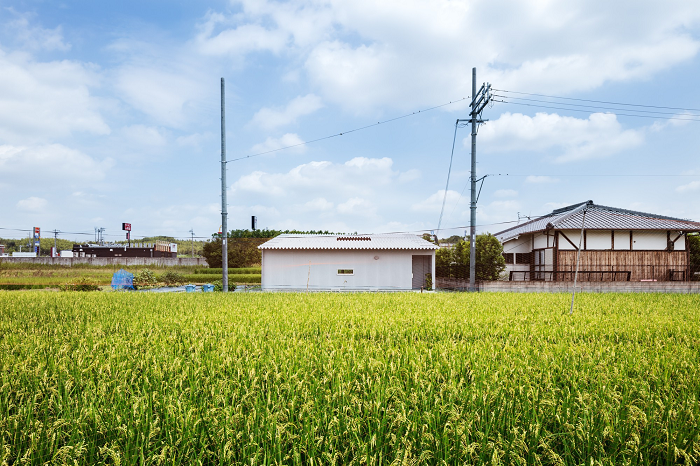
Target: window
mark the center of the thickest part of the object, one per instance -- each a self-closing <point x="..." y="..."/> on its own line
<point x="522" y="257"/>
<point x="509" y="257"/>
<point x="345" y="272"/>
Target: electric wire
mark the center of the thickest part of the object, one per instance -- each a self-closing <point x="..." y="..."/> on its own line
<point x="588" y="111"/>
<point x="349" y="131"/>
<point x="599" y="101"/>
<point x="598" y="107"/>
<point x="447" y="184"/>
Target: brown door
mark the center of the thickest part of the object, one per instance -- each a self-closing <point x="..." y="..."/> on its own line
<point x="421" y="266"/>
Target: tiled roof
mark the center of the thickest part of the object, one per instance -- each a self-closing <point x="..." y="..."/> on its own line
<point x="387" y="241"/>
<point x="598" y="217"/>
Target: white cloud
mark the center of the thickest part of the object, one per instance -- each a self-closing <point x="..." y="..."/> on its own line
<point x="51" y="164"/>
<point x="501" y="193"/>
<point x="434" y="202"/>
<point x="240" y="40"/>
<point x="32" y="204"/>
<point x="540" y="179"/>
<point x="358" y="175"/>
<point x="166" y="95"/>
<point x="144" y="135"/>
<point x="357" y="206"/>
<point x="269" y="119"/>
<point x="34" y="38"/>
<point x="290" y="140"/>
<point x="40" y="101"/>
<point x="319" y="204"/>
<point x="362" y="61"/>
<point x="599" y="135"/>
<point x="692" y="186"/>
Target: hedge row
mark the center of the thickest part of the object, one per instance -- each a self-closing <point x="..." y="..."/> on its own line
<point x="231" y="271"/>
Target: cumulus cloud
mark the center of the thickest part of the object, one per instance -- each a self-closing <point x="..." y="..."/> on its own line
<point x="503" y="193"/>
<point x="40" y="101"/>
<point x="32" y="204"/>
<point x="600" y="135"/>
<point x="269" y="119"/>
<point x="359" y="174"/>
<point x="48" y="164"/>
<point x="692" y="186"/>
<point x="361" y="61"/>
<point x="32" y="37"/>
<point x="357" y="206"/>
<point x="290" y="140"/>
<point x="434" y="202"/>
<point x="144" y="135"/>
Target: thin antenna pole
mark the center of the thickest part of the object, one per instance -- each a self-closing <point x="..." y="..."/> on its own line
<point x="224" y="213"/>
<point x="578" y="257"/>
<point x="472" y="220"/>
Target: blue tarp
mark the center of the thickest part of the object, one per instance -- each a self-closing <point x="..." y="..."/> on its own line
<point x="123" y="280"/>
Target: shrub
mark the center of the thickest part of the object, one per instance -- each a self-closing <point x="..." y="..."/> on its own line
<point x="81" y="284"/>
<point x="219" y="286"/>
<point x="145" y="278"/>
<point x="171" y="278"/>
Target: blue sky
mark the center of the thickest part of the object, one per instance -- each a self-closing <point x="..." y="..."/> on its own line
<point x="109" y="112"/>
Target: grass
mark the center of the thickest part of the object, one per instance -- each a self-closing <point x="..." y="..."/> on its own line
<point x="231" y="271"/>
<point x="33" y="276"/>
<point x="109" y="378"/>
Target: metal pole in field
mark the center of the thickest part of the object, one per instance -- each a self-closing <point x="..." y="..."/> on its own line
<point x="224" y="213"/>
<point x="578" y="256"/>
<point x="472" y="220"/>
<point x="192" y="231"/>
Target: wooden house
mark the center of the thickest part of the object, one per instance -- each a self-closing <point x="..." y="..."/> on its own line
<point x="615" y="245"/>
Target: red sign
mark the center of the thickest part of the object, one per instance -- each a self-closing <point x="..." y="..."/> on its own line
<point x="126" y="226"/>
<point x="37" y="232"/>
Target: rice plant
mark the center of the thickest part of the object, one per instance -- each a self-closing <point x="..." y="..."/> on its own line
<point x="405" y="378"/>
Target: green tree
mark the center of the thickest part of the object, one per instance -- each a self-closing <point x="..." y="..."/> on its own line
<point x="490" y="262"/>
<point x="694" y="249"/>
<point x="489" y="256"/>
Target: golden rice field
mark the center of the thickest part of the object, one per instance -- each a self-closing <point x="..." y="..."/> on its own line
<point x="405" y="378"/>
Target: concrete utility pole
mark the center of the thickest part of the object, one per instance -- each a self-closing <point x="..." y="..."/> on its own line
<point x="224" y="213"/>
<point x="192" y="231"/>
<point x="479" y="101"/>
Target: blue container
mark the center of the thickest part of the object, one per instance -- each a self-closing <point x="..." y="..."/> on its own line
<point x="207" y="288"/>
<point x="189" y="288"/>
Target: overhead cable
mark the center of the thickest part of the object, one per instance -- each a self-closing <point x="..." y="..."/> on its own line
<point x="350" y="131"/>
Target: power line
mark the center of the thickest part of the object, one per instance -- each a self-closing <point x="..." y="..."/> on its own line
<point x="650" y="112"/>
<point x="351" y="130"/>
<point x="599" y="101"/>
<point x="449" y="171"/>
<point x="588" y="111"/>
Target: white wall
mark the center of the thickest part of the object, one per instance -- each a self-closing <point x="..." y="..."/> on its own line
<point x="649" y="240"/>
<point x="598" y="239"/>
<point x="290" y="269"/>
<point x="622" y="240"/>
<point x="680" y="243"/>
<point x="522" y="244"/>
<point x="574" y="236"/>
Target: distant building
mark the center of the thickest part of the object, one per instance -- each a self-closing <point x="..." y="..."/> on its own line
<point x="616" y="244"/>
<point x="157" y="249"/>
<point x="347" y="262"/>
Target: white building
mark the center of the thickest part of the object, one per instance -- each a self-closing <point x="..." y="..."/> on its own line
<point x="616" y="244"/>
<point x="347" y="262"/>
